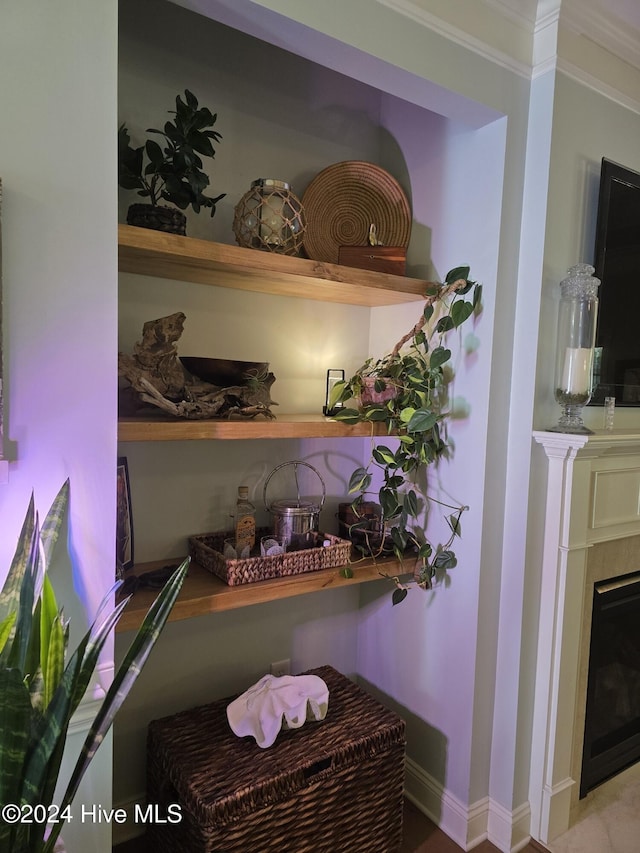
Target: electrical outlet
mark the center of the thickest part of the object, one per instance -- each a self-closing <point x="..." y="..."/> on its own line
<point x="281" y="667"/>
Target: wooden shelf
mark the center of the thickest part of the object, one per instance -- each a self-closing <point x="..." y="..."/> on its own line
<point x="285" y="426"/>
<point x="154" y="253"/>
<point x="203" y="592"/>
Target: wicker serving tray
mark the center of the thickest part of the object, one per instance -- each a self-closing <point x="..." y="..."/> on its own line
<point x="206" y="550"/>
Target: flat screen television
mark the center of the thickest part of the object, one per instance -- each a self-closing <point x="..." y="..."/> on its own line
<point x="617" y="265"/>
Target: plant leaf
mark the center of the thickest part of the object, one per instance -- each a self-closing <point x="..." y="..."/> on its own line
<point x="445" y="560"/>
<point x="123" y="681"/>
<point x="399" y="595"/>
<point x="477" y="296"/>
<point x="376" y="413"/>
<point x="383" y="455"/>
<point x="52" y="523"/>
<point x="411" y="503"/>
<point x="422" y="421"/>
<point x="389" y="503"/>
<point x="6" y="626"/>
<point x="20" y="644"/>
<point x="444" y="324"/>
<point x="10" y="595"/>
<point x="453" y="521"/>
<point x="439" y="356"/>
<point x="461" y="311"/>
<point x="360" y="480"/>
<point x="48" y="613"/>
<point x="457" y="273"/>
<point x="338" y="389"/>
<point x="15" y="725"/>
<point x="54" y="669"/>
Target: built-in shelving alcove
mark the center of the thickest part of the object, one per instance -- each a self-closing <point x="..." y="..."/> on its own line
<point x="286" y="109"/>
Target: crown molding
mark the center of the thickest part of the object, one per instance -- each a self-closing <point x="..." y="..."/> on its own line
<point x="606" y="25"/>
<point x="597" y="85"/>
<point x="463" y="38"/>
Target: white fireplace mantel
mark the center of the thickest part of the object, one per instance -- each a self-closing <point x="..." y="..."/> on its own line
<point x="592" y="496"/>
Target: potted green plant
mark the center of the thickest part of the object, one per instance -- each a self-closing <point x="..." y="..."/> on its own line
<point x="406" y="391"/>
<point x="41" y="686"/>
<point x="173" y="172"/>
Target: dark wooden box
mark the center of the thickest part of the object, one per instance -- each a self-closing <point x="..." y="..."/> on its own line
<point x="334" y="786"/>
<point x="391" y="259"/>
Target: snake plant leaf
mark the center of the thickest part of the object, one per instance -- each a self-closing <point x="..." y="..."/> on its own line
<point x="15" y="715"/>
<point x="123" y="681"/>
<point x="48" y="614"/>
<point x="32" y="669"/>
<point x="52" y="726"/>
<point x="54" y="666"/>
<point x="52" y="524"/>
<point x="6" y="626"/>
<point x="96" y="638"/>
<point x="36" y="690"/>
<point x="49" y="730"/>
<point x="20" y="645"/>
<point x="10" y="595"/>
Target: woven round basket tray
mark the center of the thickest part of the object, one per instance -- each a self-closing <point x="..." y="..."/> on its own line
<point x="344" y="200"/>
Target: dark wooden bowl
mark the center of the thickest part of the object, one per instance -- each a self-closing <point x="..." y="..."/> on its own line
<point x="224" y="372"/>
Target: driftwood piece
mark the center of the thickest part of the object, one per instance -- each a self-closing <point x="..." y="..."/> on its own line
<point x="156" y="374"/>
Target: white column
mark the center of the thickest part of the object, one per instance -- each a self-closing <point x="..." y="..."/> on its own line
<point x="562" y="588"/>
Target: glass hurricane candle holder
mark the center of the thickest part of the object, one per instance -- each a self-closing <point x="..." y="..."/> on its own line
<point x="270" y="217"/>
<point x="577" y="318"/>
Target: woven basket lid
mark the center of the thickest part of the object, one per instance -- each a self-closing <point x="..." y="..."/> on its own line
<point x="344" y="200"/>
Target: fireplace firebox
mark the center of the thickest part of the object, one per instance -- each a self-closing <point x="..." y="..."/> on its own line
<point x="612" y="721"/>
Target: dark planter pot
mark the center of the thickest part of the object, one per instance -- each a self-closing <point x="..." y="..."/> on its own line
<point x="158" y="217"/>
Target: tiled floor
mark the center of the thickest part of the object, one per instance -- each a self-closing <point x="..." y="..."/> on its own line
<point x="607" y="820"/>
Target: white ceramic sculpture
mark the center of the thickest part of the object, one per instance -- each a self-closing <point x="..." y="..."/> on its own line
<point x="274" y="703"/>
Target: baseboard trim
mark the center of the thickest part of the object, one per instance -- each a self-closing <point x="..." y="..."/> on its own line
<point x="470" y="825"/>
<point x="467" y="826"/>
<point x="130" y="829"/>
<point x="509" y="831"/>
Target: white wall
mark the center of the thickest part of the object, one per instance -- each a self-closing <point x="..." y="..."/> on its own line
<point x="586" y="127"/>
<point x="58" y="106"/>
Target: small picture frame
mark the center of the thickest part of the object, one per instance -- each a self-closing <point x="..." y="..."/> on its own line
<point x="124" y="520"/>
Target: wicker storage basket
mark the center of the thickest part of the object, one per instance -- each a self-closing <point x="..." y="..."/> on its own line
<point x="206" y="550"/>
<point x="330" y="787"/>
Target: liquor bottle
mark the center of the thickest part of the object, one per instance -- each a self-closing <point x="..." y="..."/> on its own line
<point x="244" y="522"/>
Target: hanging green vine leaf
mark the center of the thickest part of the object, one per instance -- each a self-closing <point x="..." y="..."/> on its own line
<point x="411" y="378"/>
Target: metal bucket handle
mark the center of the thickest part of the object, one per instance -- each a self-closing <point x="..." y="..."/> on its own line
<point x="295" y="473"/>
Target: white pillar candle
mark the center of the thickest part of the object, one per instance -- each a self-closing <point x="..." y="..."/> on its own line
<point x="576" y="373"/>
